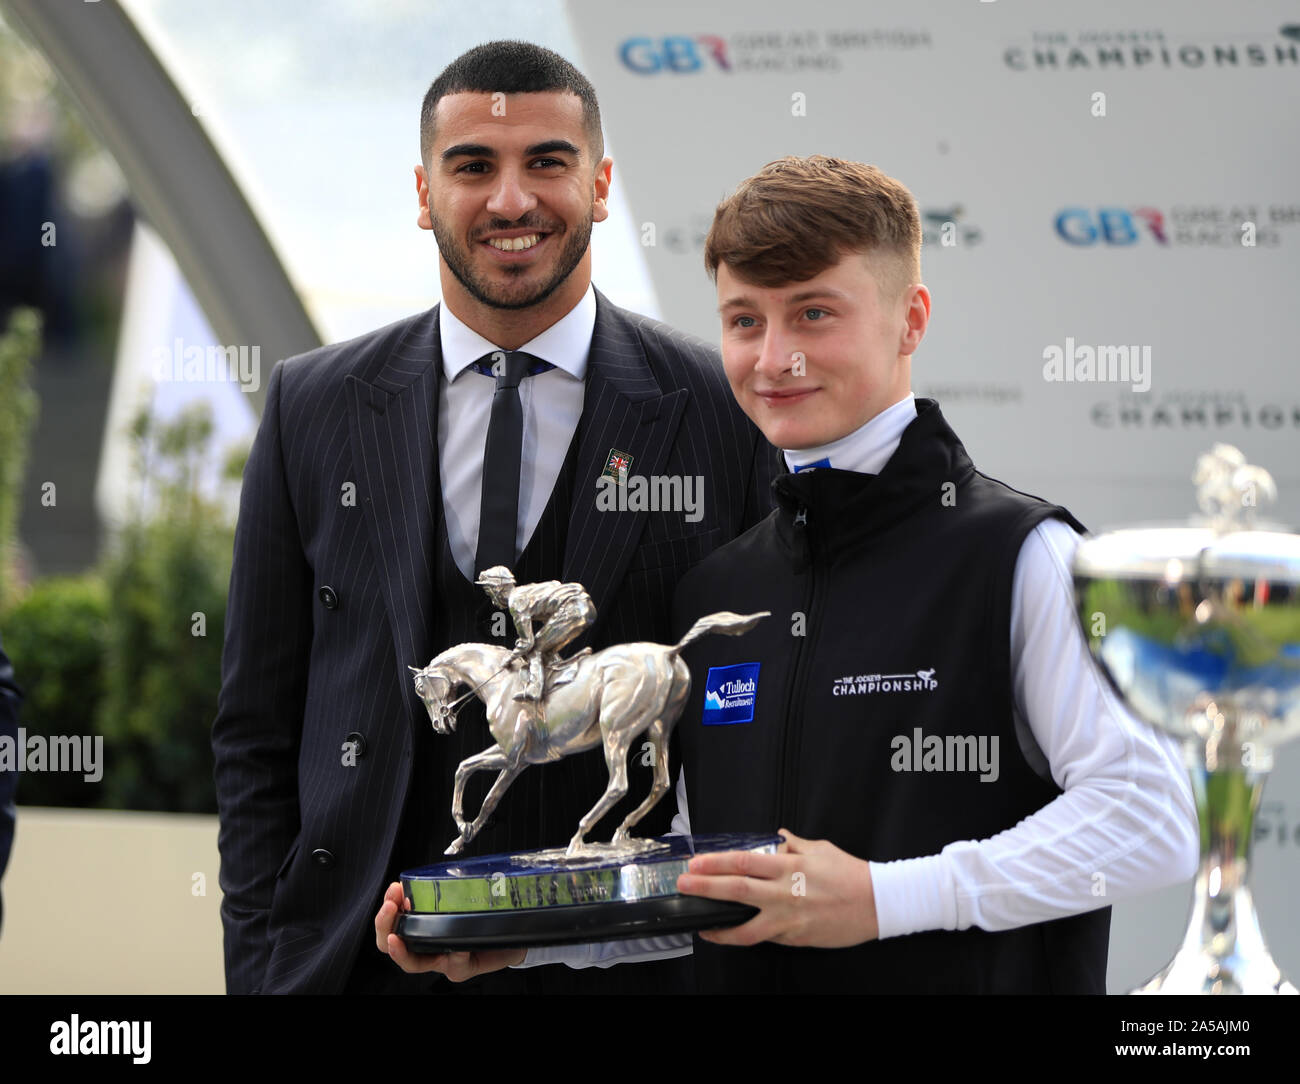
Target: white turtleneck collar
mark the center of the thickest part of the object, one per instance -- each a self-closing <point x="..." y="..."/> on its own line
<point x="866" y="449"/>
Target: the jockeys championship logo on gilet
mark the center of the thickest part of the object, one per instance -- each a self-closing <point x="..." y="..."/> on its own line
<point x="918" y="681"/>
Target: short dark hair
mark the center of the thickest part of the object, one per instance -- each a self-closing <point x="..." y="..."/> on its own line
<point x="512" y="67"/>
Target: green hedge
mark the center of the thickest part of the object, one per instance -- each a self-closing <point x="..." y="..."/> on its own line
<point x="56" y="638"/>
<point x="132" y="650"/>
<point x="20" y="343"/>
<point x="167" y="581"/>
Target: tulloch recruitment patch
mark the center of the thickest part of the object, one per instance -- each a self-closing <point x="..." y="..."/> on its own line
<point x="730" y="693"/>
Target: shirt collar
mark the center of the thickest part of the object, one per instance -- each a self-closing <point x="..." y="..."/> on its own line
<point x="849" y="505"/>
<point x="565" y="344"/>
<point x="867" y="449"/>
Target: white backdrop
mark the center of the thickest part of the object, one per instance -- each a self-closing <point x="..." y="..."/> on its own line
<point x="1102" y="222"/>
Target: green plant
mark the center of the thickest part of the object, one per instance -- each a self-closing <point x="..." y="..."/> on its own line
<point x="19" y="346"/>
<point x="55" y="637"/>
<point x="167" y="576"/>
<point x="132" y="651"/>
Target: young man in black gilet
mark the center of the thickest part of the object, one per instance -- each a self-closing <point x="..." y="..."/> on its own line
<point x="961" y="794"/>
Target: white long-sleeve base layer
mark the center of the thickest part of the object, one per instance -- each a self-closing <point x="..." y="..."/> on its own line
<point x="1126" y="823"/>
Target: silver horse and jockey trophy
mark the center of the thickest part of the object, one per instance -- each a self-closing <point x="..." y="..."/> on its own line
<point x="1198" y="628"/>
<point x="540" y="708"/>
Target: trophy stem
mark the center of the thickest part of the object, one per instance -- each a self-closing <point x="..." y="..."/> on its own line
<point x="1223" y="951"/>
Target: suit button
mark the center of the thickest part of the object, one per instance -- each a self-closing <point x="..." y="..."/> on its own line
<point x="358" y="743"/>
<point x="322" y="858"/>
<point x="329" y="598"/>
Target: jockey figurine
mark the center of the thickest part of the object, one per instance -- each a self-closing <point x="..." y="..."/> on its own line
<point x="565" y="609"/>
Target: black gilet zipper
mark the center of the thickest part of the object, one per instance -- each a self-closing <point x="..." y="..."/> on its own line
<point x="787" y="788"/>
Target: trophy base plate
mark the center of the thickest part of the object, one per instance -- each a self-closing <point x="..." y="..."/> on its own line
<point x="533" y="898"/>
<point x="578" y="924"/>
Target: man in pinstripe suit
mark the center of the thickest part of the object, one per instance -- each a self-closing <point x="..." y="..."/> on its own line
<point x="368" y="505"/>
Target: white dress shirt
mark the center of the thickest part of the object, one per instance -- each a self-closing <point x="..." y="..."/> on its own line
<point x="1126" y="823"/>
<point x="552" y="405"/>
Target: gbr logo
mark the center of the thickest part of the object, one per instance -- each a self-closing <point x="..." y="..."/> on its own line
<point x="1110" y="225"/>
<point x="674" y="53"/>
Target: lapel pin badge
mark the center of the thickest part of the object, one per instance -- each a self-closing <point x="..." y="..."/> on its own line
<point x="617" y="464"/>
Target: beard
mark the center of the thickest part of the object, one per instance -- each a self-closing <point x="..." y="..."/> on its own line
<point x="515" y="294"/>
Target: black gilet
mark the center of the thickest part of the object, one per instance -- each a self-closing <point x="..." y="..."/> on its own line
<point x="891" y="603"/>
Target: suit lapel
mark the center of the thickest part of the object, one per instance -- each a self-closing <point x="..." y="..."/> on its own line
<point x="624" y="408"/>
<point x="393" y="427"/>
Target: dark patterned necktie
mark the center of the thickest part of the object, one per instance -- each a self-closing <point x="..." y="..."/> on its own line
<point x="498" y="521"/>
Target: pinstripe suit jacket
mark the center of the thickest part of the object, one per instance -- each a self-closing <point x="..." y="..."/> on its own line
<point x="305" y="838"/>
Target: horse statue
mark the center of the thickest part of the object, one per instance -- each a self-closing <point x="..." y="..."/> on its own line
<point x="1229" y="490"/>
<point x="610" y="696"/>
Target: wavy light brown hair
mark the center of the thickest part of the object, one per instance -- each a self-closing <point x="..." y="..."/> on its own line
<point x="798" y="216"/>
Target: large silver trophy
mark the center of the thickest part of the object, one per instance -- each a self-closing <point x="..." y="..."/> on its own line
<point x="1198" y="629"/>
<point x="542" y="707"/>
